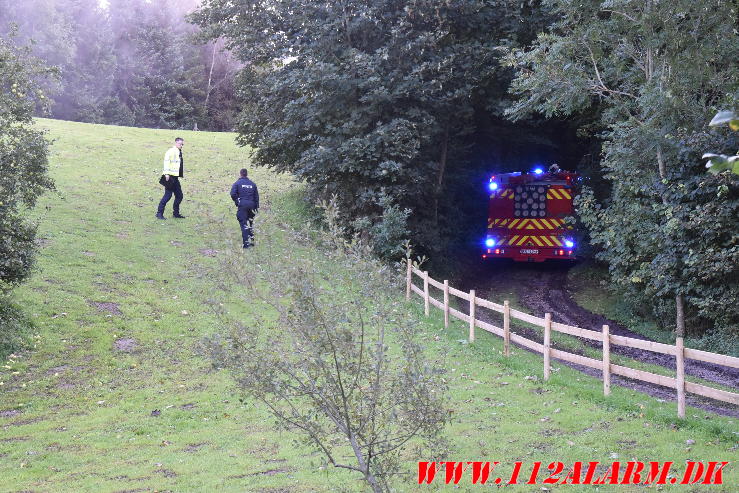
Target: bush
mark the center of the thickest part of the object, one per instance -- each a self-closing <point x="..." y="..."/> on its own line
<point x="14" y="328"/>
<point x="23" y="177"/>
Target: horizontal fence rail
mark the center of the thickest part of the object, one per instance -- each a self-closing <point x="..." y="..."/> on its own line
<point x="679" y="351"/>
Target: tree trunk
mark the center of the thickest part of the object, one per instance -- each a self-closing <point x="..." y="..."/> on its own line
<point x="364" y="466"/>
<point x="440" y="174"/>
<point x="210" y="74"/>
<point x="679" y="301"/>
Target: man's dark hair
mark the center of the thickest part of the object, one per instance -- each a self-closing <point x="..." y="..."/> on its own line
<point x="179" y="139"/>
<point x="243" y="172"/>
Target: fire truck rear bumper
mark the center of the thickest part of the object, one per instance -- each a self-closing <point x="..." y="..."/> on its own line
<point x="529" y="254"/>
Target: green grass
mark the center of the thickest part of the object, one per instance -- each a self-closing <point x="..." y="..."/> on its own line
<point x="76" y="412"/>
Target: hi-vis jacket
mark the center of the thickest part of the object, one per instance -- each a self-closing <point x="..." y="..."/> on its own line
<point x="172" y="162"/>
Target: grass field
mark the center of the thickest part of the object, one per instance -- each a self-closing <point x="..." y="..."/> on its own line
<point x="112" y="394"/>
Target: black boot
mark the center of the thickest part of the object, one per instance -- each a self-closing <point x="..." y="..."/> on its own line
<point x="160" y="216"/>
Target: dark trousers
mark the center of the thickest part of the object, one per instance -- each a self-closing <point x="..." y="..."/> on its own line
<point x="173" y="187"/>
<point x="246" y="221"/>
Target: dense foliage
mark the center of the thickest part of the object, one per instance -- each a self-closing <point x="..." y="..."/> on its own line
<point x="23" y="177"/>
<point x="376" y="103"/>
<point x="127" y="62"/>
<point x="657" y="72"/>
<point x="23" y="161"/>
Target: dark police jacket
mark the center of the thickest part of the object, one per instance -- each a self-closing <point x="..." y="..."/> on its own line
<point x="244" y="194"/>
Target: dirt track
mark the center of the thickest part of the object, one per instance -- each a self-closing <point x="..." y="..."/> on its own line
<point x="543" y="288"/>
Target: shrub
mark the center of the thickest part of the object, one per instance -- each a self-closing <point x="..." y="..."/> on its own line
<point x="337" y="357"/>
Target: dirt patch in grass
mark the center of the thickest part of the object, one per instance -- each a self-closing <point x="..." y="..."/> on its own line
<point x="107" y="306"/>
<point x="176" y="243"/>
<point x="125" y="344"/>
<point x="28" y="421"/>
<point x="57" y="369"/>
<point x="88" y="254"/>
<point x="9" y="413"/>
<point x="551" y="432"/>
<point x="14" y="439"/>
<point x="167" y="473"/>
<point x="188" y="406"/>
<point x="101" y="286"/>
<point x="125" y="477"/>
<point x="194" y="447"/>
<point x="268" y="472"/>
<point x="207" y="252"/>
<point x="43" y="242"/>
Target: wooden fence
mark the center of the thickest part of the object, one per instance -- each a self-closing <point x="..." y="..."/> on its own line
<point x="679" y="351"/>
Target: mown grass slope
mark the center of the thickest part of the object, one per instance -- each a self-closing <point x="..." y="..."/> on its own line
<point x="113" y="395"/>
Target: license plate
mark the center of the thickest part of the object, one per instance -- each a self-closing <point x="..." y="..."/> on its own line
<point x="529" y="252"/>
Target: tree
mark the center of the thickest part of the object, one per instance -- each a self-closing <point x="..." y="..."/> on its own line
<point x="655" y="71"/>
<point x="23" y="161"/>
<point x="340" y="362"/>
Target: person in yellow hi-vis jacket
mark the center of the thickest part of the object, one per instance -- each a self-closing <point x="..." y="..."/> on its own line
<point x="172" y="172"/>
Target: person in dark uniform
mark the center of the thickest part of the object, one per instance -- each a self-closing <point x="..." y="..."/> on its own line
<point x="245" y="195"/>
<point x="173" y="170"/>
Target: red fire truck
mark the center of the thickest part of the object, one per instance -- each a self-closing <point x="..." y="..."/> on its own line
<point x="526" y="218"/>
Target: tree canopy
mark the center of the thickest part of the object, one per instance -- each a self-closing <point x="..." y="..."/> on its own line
<point x="375" y="103"/>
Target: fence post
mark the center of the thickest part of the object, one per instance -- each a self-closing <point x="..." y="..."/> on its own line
<point x="506" y="328"/>
<point x="680" y="369"/>
<point x="547" y="343"/>
<point x="426" y="292"/>
<point x="408" y="279"/>
<point x="472" y="315"/>
<point x="446" y="304"/>
<point x="606" y="360"/>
